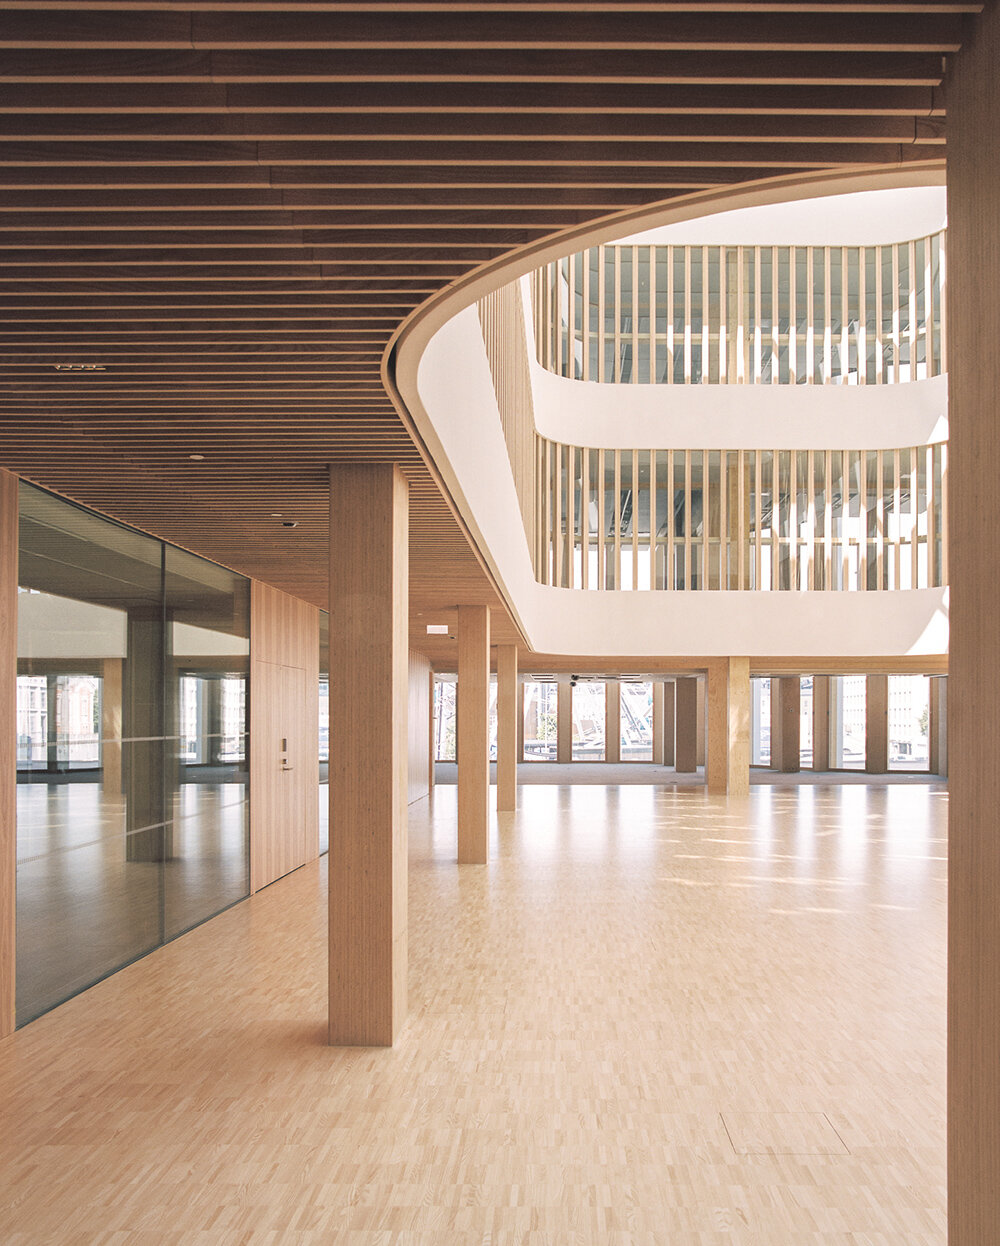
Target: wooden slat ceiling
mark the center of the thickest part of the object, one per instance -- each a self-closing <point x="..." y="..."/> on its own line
<point x="224" y="209"/>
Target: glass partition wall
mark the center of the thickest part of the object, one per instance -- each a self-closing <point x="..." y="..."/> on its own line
<point x="132" y="792"/>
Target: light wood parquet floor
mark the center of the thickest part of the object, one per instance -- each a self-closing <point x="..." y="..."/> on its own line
<point x="655" y="1017"/>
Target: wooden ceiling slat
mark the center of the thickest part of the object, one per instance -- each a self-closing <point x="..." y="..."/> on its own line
<point x="225" y="209"/>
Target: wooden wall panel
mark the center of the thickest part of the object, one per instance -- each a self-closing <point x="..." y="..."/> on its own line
<point x="284" y="707"/>
<point x="8" y="743"/>
<point x="369" y="690"/>
<point x="974" y="667"/>
<point x="418" y="716"/>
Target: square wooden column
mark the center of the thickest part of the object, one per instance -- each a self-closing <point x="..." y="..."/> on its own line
<point x="8" y="744"/>
<point x="821" y="722"/>
<point x="973" y="367"/>
<point x="612" y="721"/>
<point x="937" y="725"/>
<point x="564" y="722"/>
<point x="728" y="757"/>
<point x="472" y="736"/>
<point x="786" y="709"/>
<point x="507" y="702"/>
<point x="877" y="724"/>
<point x="369" y="677"/>
<point x="701" y="712"/>
<point x="657" y="722"/>
<point x="686" y="742"/>
<point x="669" y="721"/>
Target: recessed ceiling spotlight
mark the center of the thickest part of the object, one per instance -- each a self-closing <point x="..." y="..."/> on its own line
<point x="79" y="367"/>
<point x="275" y="514"/>
<point x="290" y="523"/>
<point x="197" y="457"/>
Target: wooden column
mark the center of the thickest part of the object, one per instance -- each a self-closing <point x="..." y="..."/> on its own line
<point x="431" y="741"/>
<point x="472" y="735"/>
<point x="8" y="743"/>
<point x="686" y="742"/>
<point x="727" y="769"/>
<point x="669" y="723"/>
<point x="368" y="739"/>
<point x="658" y="722"/>
<point x="701" y="726"/>
<point x="520" y="721"/>
<point x="111" y="726"/>
<point x="507" y="727"/>
<point x="564" y="722"/>
<point x="937" y="725"/>
<point x="612" y="721"/>
<point x="974" y="664"/>
<point x="877" y="724"/>
<point x="821" y="722"/>
<point x="786" y="708"/>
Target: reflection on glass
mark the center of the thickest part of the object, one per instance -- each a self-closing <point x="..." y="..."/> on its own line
<point x="540" y="720"/>
<point x="131" y="746"/>
<point x="588" y="721"/>
<point x="636" y="722"/>
<point x="445" y="720"/>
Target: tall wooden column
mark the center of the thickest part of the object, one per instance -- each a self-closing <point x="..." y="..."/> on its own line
<point x="8" y="743"/>
<point x="473" y="740"/>
<point x="973" y="366"/>
<point x="657" y="722"/>
<point x="686" y="742"/>
<point x="612" y="721"/>
<point x="111" y="726"/>
<point x="564" y="722"/>
<point x="786" y="709"/>
<point x="369" y="674"/>
<point x="701" y="707"/>
<point x="877" y="724"/>
<point x="669" y="721"/>
<point x="507" y="727"/>
<point x="937" y="725"/>
<point x="728" y="756"/>
<point x="821" y="722"/>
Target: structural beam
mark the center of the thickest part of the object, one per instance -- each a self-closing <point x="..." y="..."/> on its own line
<point x="974" y="669"/>
<point x="369" y="675"/>
<point x="507" y="702"/>
<point x="473" y="744"/>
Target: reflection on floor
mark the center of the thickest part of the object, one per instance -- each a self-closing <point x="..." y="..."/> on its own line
<point x="637" y="772"/>
<point x="655" y="1017"/>
<point x="84" y="908"/>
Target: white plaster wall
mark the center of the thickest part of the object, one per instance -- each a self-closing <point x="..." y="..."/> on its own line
<point x="454" y="407"/>
<point x="739" y="417"/>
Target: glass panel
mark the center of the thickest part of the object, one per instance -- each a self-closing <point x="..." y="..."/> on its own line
<point x="207" y="844"/>
<point x="588" y="721"/>
<point x="540" y="720"/>
<point x="909" y="722"/>
<point x="847" y="722"/>
<point x="806" y="722"/>
<point x="445" y="720"/>
<point x="760" y="721"/>
<point x="636" y="721"/>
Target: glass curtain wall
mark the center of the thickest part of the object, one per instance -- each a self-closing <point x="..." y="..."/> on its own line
<point x="132" y="783"/>
<point x="760" y="721"/>
<point x="588" y="721"/>
<point x="636" y="721"/>
<point x="848" y="715"/>
<point x="540" y="720"/>
<point x="445" y="719"/>
<point x="909" y="722"/>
